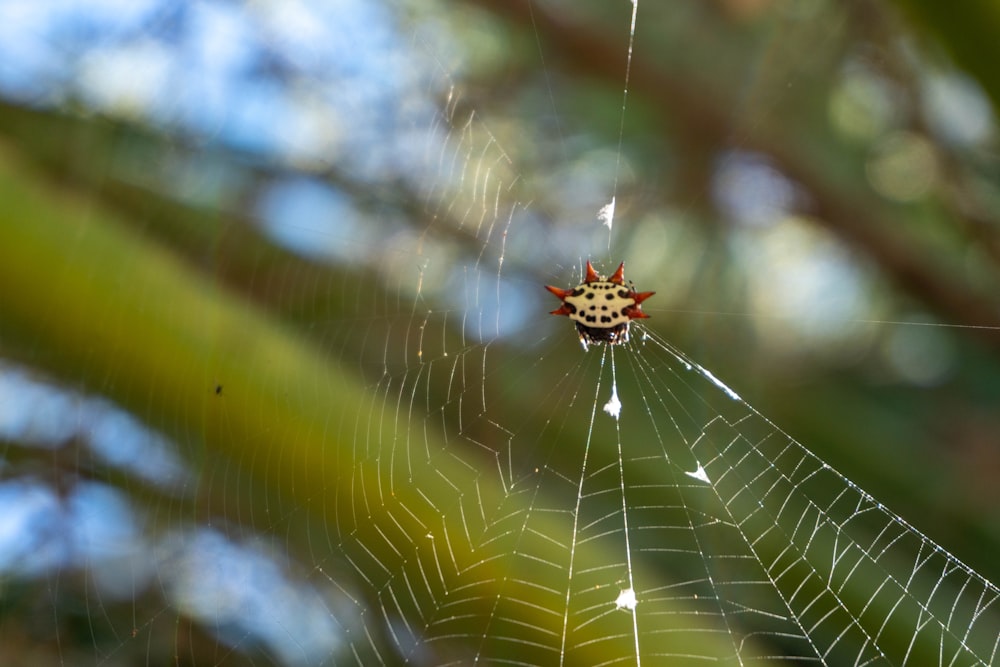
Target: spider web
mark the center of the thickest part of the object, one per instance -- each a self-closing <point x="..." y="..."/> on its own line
<point x="392" y="454"/>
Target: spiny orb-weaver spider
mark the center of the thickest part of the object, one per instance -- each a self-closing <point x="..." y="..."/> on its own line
<point x="601" y="307"/>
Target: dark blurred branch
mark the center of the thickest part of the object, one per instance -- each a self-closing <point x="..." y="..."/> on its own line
<point x="857" y="220"/>
<point x="969" y="31"/>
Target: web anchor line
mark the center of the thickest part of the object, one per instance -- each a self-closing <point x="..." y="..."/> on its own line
<point x="607" y="212"/>
<point x="574" y="541"/>
<point x="627" y="599"/>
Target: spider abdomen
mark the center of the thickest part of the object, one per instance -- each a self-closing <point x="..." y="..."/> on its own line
<point x="601" y="307"/>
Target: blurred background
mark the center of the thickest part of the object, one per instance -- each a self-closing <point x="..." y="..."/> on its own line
<point x="247" y="249"/>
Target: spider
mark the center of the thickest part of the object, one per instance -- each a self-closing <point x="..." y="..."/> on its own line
<point x="601" y="307"/>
